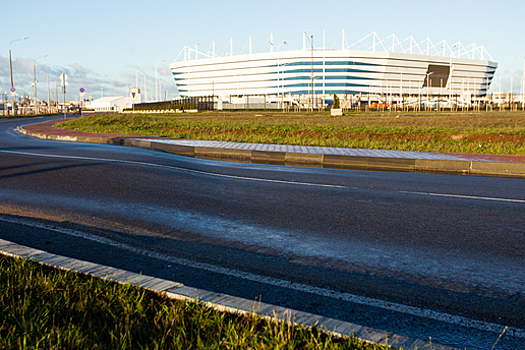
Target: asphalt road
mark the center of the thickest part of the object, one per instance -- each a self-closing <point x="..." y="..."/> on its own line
<point x="420" y="255"/>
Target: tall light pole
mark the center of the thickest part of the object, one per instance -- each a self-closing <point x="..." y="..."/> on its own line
<point x="523" y="84"/>
<point x="145" y="91"/>
<point x="48" y="97"/>
<point x="278" y="50"/>
<point x="401" y="87"/>
<point x="324" y="69"/>
<point x="156" y="82"/>
<point x="312" y="49"/>
<point x="34" y="80"/>
<point x="137" y="81"/>
<point x="428" y="89"/>
<point x="48" y="100"/>
<point x="11" y="73"/>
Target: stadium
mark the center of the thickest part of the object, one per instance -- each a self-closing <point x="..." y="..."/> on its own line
<point x="382" y="72"/>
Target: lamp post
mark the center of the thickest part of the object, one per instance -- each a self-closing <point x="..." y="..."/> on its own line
<point x="145" y="91"/>
<point x="451" y="70"/>
<point x="156" y="83"/>
<point x="56" y="95"/>
<point x="280" y="81"/>
<point x="11" y="73"/>
<point x="312" y="50"/>
<point x="137" y="81"/>
<point x="34" y="81"/>
<point x="48" y="97"/>
<point x="324" y="69"/>
<point x="523" y="85"/>
<point x="428" y="88"/>
<point x="401" y="87"/>
<point x="278" y="65"/>
<point x="48" y="100"/>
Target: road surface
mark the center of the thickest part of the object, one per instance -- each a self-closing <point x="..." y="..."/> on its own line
<point x="420" y="255"/>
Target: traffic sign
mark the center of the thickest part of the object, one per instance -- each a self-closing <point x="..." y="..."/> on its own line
<point x="82" y="90"/>
<point x="63" y="79"/>
<point x="13" y="90"/>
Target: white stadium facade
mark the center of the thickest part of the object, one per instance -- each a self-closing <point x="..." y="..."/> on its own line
<point x="400" y="72"/>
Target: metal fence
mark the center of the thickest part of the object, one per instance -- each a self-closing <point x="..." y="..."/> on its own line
<point x="248" y="106"/>
<point x="202" y="103"/>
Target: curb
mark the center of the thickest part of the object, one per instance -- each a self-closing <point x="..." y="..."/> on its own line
<point x="458" y="167"/>
<point x="218" y="301"/>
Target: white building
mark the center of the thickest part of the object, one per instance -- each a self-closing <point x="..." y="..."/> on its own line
<point x="117" y="103"/>
<point x="399" y="71"/>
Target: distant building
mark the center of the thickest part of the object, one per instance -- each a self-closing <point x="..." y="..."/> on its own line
<point x="384" y="70"/>
<point x="117" y="103"/>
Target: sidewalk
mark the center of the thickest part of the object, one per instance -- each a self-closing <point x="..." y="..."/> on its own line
<point x="326" y="157"/>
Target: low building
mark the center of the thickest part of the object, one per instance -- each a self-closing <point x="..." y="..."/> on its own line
<point x="110" y="104"/>
<point x="116" y="103"/>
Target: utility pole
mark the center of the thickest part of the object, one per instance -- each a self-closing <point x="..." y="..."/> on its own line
<point x="523" y="85"/>
<point x="11" y="73"/>
<point x="312" y="50"/>
<point x="156" y="83"/>
<point x="56" y="94"/>
<point x="34" y="80"/>
<point x="48" y="100"/>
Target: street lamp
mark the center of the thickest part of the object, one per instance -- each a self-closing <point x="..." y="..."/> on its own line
<point x="137" y="80"/>
<point x="145" y="91"/>
<point x="523" y="84"/>
<point x="428" y="89"/>
<point x="312" y="49"/>
<point x="324" y="69"/>
<point x="280" y="81"/>
<point x="34" y="80"/>
<point x="401" y="87"/>
<point x="278" y="65"/>
<point x="11" y="72"/>
<point x="156" y="83"/>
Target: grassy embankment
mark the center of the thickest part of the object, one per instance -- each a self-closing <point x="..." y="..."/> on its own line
<point x="482" y="132"/>
<point x="46" y="308"/>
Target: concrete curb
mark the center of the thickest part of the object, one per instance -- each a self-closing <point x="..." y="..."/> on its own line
<point x="217" y="301"/>
<point x="504" y="169"/>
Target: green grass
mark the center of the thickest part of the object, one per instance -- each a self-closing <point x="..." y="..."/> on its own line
<point x="482" y="132"/>
<point x="46" y="308"/>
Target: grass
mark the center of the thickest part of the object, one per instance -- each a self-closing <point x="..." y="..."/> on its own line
<point x="46" y="308"/>
<point x="480" y="132"/>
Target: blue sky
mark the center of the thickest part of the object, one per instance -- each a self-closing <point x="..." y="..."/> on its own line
<point x="102" y="44"/>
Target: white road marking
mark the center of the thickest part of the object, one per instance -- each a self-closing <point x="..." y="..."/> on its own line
<point x="390" y="306"/>
<point x="447" y="195"/>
